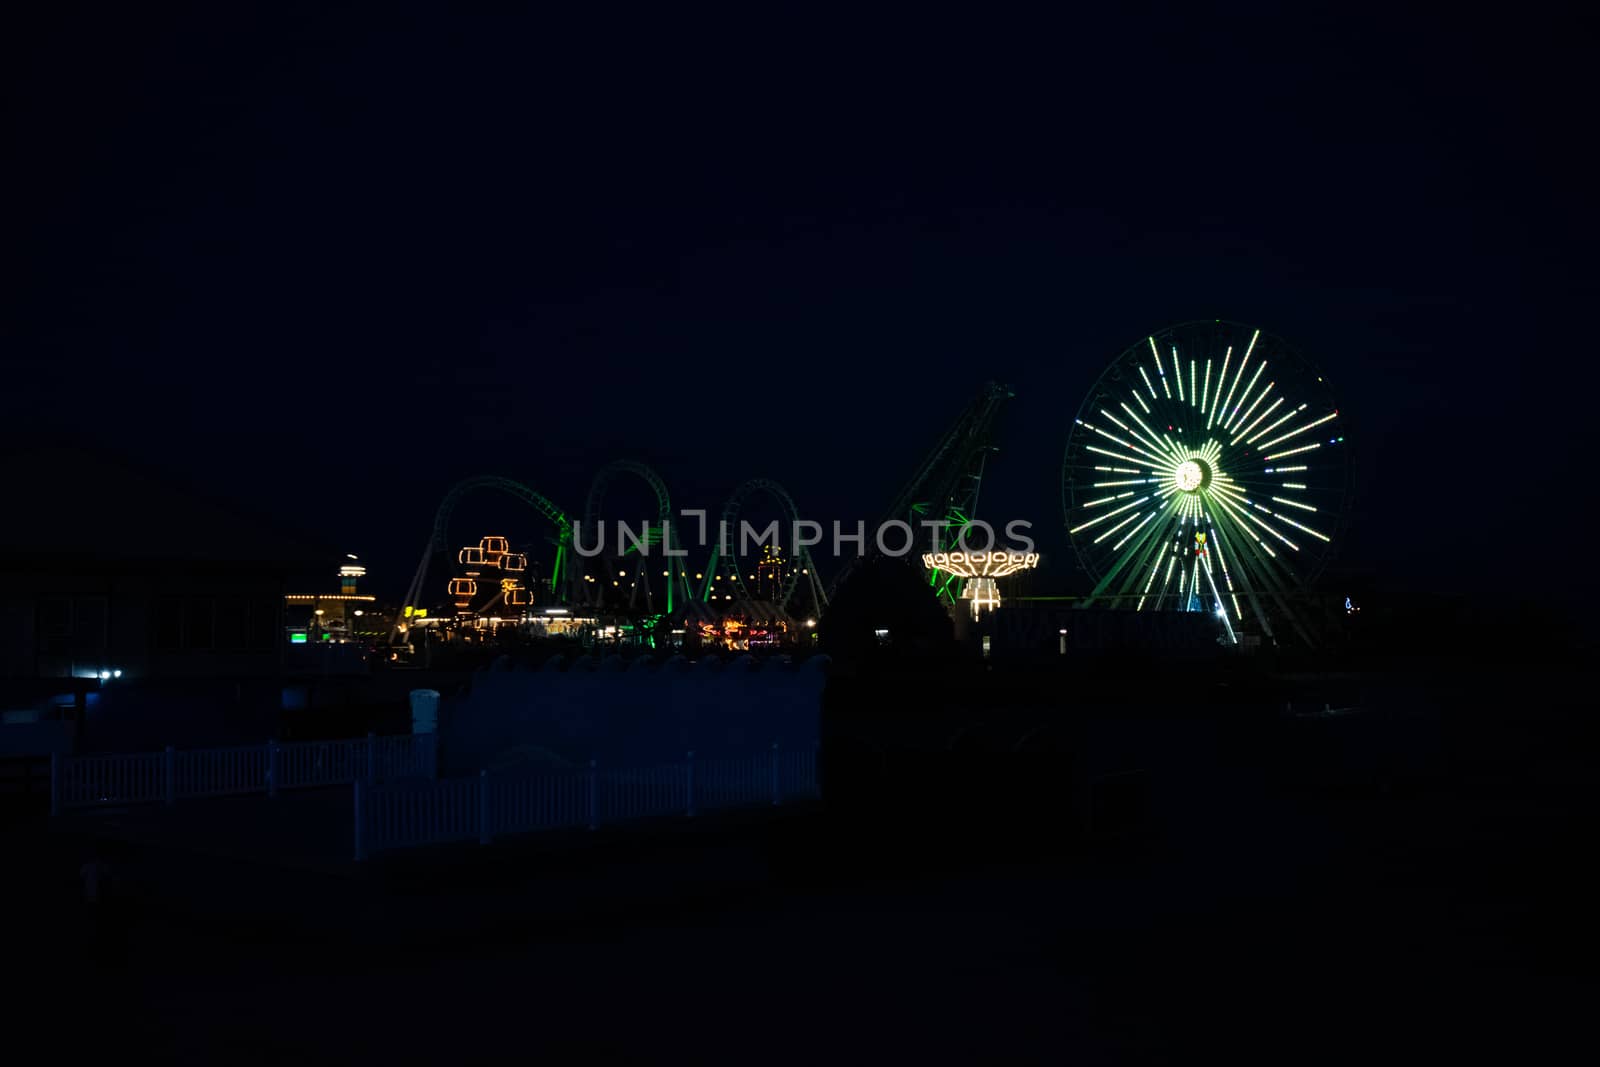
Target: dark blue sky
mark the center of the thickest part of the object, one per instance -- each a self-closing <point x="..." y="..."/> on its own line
<point x="331" y="259"/>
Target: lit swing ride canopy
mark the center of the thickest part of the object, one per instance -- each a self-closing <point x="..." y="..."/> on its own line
<point x="980" y="569"/>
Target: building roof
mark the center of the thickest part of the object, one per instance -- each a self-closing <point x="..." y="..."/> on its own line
<point x="65" y="503"/>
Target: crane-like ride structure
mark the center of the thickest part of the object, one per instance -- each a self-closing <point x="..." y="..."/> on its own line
<point x="943" y="490"/>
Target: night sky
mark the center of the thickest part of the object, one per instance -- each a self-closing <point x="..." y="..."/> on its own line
<point x="328" y="261"/>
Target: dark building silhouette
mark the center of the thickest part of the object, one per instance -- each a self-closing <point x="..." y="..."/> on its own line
<point x="121" y="593"/>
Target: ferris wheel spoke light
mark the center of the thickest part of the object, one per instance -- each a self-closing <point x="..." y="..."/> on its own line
<point x="1166" y="581"/>
<point x="1295" y="451"/>
<point x="1275" y="425"/>
<point x="1267" y="526"/>
<point x="1142" y="424"/>
<point x="1298" y="526"/>
<point x="1103" y="517"/>
<point x="1296" y="433"/>
<point x="1147" y="385"/>
<point x="1270" y="409"/>
<point x="1117" y="440"/>
<point x="1222" y="412"/>
<point x="1143" y="439"/>
<point x="1113" y="455"/>
<point x="1155" y="569"/>
<point x="1133" y="531"/>
<point x="1245" y="519"/>
<point x="1222" y="379"/>
<point x="1114" y="419"/>
<point x="1115" y="528"/>
<point x="1233" y="419"/>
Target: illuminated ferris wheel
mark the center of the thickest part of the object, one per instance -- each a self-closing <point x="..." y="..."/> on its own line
<point x="1206" y="471"/>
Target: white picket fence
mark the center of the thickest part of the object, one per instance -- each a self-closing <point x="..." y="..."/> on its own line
<point x="172" y="775"/>
<point x="406" y="815"/>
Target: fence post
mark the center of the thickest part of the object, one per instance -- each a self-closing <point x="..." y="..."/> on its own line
<point x="777" y="797"/>
<point x="55" y="783"/>
<point x="169" y="763"/>
<point x="361" y="836"/>
<point x="689" y="782"/>
<point x="272" y="769"/>
<point x="594" y="795"/>
<point x="432" y="754"/>
<point x="372" y="758"/>
<point x="483" y="806"/>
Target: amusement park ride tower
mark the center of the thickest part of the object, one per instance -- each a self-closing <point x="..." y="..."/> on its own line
<point x="944" y="489"/>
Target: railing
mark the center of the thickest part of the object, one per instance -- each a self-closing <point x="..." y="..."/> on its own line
<point x="464" y="809"/>
<point x="148" y="777"/>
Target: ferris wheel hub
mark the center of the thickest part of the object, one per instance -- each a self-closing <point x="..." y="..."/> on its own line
<point x="1191" y="476"/>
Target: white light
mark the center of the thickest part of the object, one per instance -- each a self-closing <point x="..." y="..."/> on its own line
<point x="1115" y="528"/>
<point x="359" y="613"/>
<point x="1133" y="531"/>
<point x="1189" y="476"/>
<point x="1295" y="433"/>
<point x="1234" y="418"/>
<point x="1291" y="452"/>
<point x="104" y="675"/>
<point x="116" y="674"/>
<point x="1107" y="515"/>
<point x="1270" y="409"/>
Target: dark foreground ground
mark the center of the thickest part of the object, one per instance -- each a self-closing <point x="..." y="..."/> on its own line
<point x="1282" y="907"/>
